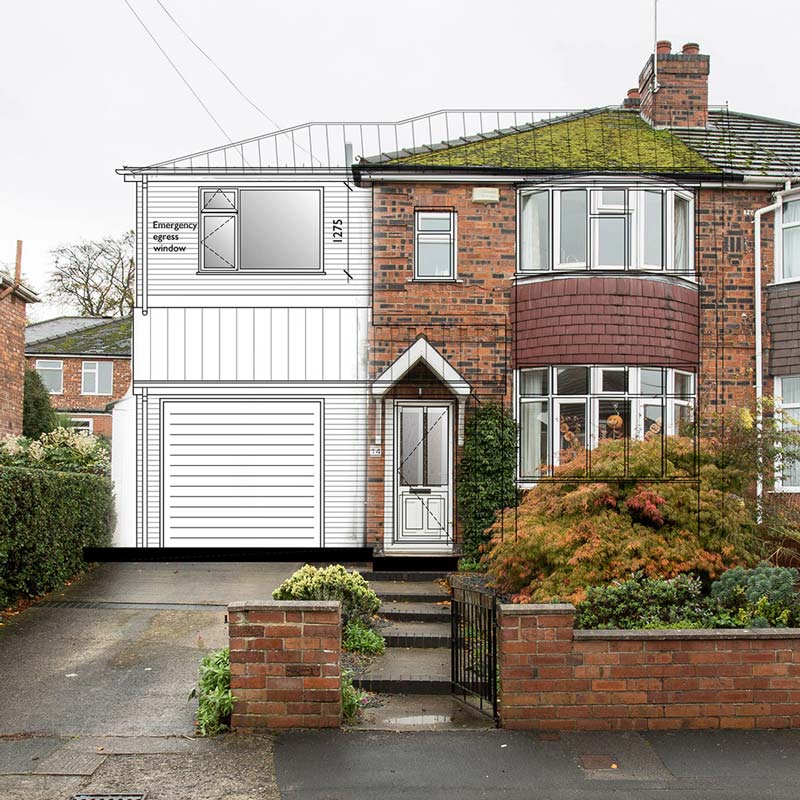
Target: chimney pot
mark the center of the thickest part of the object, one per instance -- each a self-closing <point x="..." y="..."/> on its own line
<point x="691" y="49"/>
<point x="663" y="47"/>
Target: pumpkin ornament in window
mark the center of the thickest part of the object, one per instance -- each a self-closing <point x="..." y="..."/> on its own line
<point x="615" y="425"/>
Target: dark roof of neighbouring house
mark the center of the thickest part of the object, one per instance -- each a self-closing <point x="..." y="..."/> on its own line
<point x="59" y="326"/>
<point x="746" y="144"/>
<point x="107" y="338"/>
<point x="599" y="140"/>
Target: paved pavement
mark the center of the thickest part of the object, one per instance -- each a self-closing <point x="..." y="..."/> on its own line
<point x="473" y="765"/>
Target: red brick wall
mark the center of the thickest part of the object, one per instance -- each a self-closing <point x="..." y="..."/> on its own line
<point x="12" y="364"/>
<point x="606" y="320"/>
<point x="285" y="670"/>
<point x="555" y="678"/>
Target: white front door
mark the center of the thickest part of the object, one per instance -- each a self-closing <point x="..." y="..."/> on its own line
<point x="424" y="475"/>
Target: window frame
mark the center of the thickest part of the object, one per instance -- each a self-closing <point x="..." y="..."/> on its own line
<point x="634" y="218"/>
<point x="451" y="236"/>
<point x="780" y="228"/>
<point x="784" y="407"/>
<point x="96" y="372"/>
<point x="60" y="370"/>
<point x="235" y="215"/>
<point x="90" y="427"/>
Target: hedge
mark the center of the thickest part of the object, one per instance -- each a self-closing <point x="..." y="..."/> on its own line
<point x="46" y="519"/>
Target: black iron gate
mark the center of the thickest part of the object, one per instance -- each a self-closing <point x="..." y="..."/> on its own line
<point x="473" y="646"/>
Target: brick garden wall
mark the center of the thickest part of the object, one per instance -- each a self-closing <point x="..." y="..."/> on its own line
<point x="553" y="677"/>
<point x="285" y="670"/>
<point x="12" y="364"/>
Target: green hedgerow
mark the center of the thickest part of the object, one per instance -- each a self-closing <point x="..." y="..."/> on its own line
<point x="213" y="691"/>
<point x="359" y="602"/>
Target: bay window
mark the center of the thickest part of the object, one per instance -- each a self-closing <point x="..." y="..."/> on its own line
<point x="789" y="240"/>
<point x="608" y="228"/>
<point x="565" y="411"/>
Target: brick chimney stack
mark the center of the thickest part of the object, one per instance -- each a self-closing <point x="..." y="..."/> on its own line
<point x="681" y="98"/>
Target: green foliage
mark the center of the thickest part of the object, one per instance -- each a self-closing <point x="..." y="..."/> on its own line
<point x="38" y="414"/>
<point x="360" y="638"/>
<point x="762" y="597"/>
<point x="359" y="602"/>
<point x="642" y="602"/>
<point x="62" y="449"/>
<point x="487" y="473"/>
<point x="47" y="518"/>
<point x="567" y="536"/>
<point x="213" y="692"/>
<point x="469" y="564"/>
<point x="352" y="699"/>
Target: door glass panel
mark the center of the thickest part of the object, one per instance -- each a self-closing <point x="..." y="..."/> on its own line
<point x="437" y="450"/>
<point x="535" y="454"/>
<point x="572" y="430"/>
<point x="410" y="446"/>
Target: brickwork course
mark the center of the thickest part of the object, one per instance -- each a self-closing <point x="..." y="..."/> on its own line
<point x="285" y="670"/>
<point x="555" y="678"/>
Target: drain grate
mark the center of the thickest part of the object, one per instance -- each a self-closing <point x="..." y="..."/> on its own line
<point x="112" y="796"/>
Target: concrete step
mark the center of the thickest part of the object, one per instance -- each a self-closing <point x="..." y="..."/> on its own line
<point x="415" y="592"/>
<point x="417" y="634"/>
<point x="403" y="670"/>
<point x="402" y="575"/>
<point x="403" y="611"/>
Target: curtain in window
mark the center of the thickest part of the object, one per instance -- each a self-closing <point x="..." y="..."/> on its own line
<point x="681" y="235"/>
<point x="535" y="233"/>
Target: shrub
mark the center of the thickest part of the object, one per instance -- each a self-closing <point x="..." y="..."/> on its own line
<point x="360" y="638"/>
<point x="38" y="414"/>
<point x="469" y="564"/>
<point x="761" y="597"/>
<point x="352" y="699"/>
<point x="46" y="519"/>
<point x="487" y="473"/>
<point x="569" y="535"/>
<point x="213" y="692"/>
<point x="644" y="603"/>
<point x="359" y="602"/>
<point x="61" y="449"/>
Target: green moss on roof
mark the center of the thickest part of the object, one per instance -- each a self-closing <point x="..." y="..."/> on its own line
<point x="616" y="141"/>
<point x="111" y="338"/>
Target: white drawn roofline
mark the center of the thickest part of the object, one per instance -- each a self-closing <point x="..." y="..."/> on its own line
<point x="422" y="351"/>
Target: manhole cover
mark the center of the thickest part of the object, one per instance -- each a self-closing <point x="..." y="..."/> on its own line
<point x="598" y="762"/>
<point x="112" y="796"/>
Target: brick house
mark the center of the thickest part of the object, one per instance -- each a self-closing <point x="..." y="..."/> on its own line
<point x="593" y="271"/>
<point x="14" y="299"/>
<point x="85" y="363"/>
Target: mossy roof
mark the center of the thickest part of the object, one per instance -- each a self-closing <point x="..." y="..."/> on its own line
<point x="606" y="140"/>
<point x="112" y="338"/>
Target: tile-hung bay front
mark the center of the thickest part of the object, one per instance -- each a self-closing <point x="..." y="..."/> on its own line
<point x="250" y="335"/>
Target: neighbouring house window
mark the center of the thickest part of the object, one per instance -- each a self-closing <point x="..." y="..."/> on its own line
<point x="565" y="411"/>
<point x="790" y="240"/>
<point x="789" y="392"/>
<point x="79" y="425"/>
<point x="52" y="375"/>
<point x="97" y="377"/>
<point x="435" y="245"/>
<point x="261" y="230"/>
<point x="605" y="229"/>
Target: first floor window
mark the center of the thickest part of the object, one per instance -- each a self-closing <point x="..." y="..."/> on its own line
<point x="789" y="391"/>
<point x="790" y="240"/>
<point x="565" y="411"/>
<point x="98" y="377"/>
<point x="434" y="245"/>
<point x="52" y="375"/>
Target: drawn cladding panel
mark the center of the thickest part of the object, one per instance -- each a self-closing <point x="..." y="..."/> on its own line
<point x="256" y="241"/>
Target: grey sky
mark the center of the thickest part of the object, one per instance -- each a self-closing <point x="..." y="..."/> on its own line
<point x="84" y="89"/>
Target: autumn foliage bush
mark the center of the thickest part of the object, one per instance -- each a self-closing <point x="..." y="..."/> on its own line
<point x="571" y="534"/>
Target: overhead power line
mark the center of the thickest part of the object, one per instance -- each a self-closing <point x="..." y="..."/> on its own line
<point x="180" y="74"/>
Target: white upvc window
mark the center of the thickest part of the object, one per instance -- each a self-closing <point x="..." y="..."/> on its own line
<point x="80" y="424"/>
<point x="788" y="470"/>
<point x="788" y="241"/>
<point x="97" y="377"/>
<point x="52" y="375"/>
<point x="606" y="228"/>
<point x="435" y="238"/>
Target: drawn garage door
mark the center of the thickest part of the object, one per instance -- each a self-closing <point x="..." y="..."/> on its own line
<point x="242" y="473"/>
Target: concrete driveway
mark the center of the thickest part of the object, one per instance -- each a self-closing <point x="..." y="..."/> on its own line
<point x="117" y="653"/>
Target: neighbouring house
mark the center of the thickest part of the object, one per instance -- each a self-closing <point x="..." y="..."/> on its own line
<point x="312" y="329"/>
<point x="85" y="363"/>
<point x="14" y="299"/>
